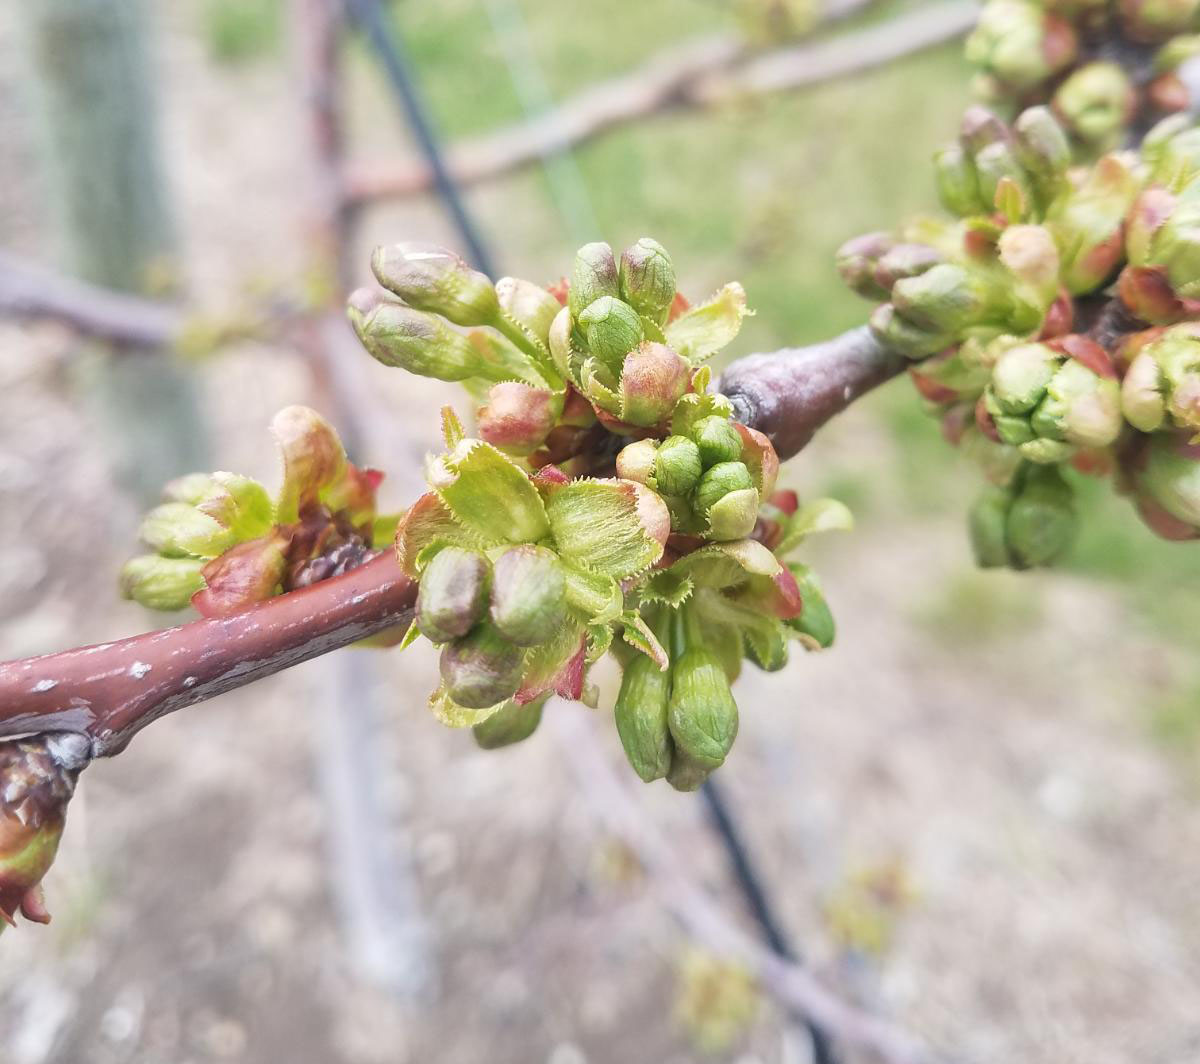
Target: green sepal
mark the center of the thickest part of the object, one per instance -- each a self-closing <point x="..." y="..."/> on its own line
<point x="820" y="515"/>
<point x="511" y="723"/>
<point x="613" y="527"/>
<point x="723" y="565"/>
<point x="596" y="595"/>
<point x="424" y="528"/>
<point x="636" y="632"/>
<point x="488" y="494"/>
<point x="670" y="587"/>
<point x="451" y="714"/>
<point x="699" y="333"/>
<point x="599" y="640"/>
<point x="815" y="627"/>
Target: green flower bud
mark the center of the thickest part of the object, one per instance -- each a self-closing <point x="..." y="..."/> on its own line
<point x="1176" y="246"/>
<point x="612" y="328"/>
<point x="191" y="488"/>
<point x="160" y="583"/>
<point x="453" y="594"/>
<point x="944" y="299"/>
<point x="421" y="343"/>
<point x="686" y="774"/>
<point x="1043" y="149"/>
<point x="987" y="523"/>
<point x="1171" y="152"/>
<point x="702" y="714"/>
<point x="1042" y="521"/>
<point x="958" y="183"/>
<point x="997" y="161"/>
<point x="1096" y="102"/>
<point x="1161" y="388"/>
<point x="593" y="275"/>
<point x="528" y="595"/>
<point x="1046" y="404"/>
<point x="481" y="668"/>
<point x="905" y="260"/>
<point x="434" y="279"/>
<point x="717" y="439"/>
<point x="1020" y="45"/>
<point x="1170" y="478"/>
<point x="856" y="261"/>
<point x="528" y="303"/>
<point x="901" y="335"/>
<point x="677" y="466"/>
<point x="720" y="480"/>
<point x="653" y="379"/>
<point x="647" y="279"/>
<point x="39" y="777"/>
<point x="815" y="624"/>
<point x="512" y="724"/>
<point x="734" y="515"/>
<point x="1156" y="20"/>
<point x="178" y="530"/>
<point x="1088" y="225"/>
<point x="637" y="461"/>
<point x="641" y="717"/>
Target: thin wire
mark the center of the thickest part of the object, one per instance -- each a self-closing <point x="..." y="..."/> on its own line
<point x="371" y="20"/>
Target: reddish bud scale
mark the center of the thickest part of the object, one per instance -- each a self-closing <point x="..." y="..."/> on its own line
<point x="932" y="390"/>
<point x="1060" y="318"/>
<point x="984" y="422"/>
<point x="1087" y="352"/>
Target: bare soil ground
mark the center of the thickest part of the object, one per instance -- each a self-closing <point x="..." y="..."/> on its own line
<point x="1051" y="851"/>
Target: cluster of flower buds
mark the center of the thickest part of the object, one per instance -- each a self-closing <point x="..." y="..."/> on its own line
<point x="558" y="370"/>
<point x="986" y="306"/>
<point x="39" y="777"/>
<point x="220" y="542"/>
<point x="1065" y="53"/>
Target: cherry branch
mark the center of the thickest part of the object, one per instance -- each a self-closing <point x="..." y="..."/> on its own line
<point x="111" y="691"/>
<point x="701" y="74"/>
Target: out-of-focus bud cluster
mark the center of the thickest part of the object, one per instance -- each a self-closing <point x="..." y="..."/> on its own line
<point x="38" y="777"/>
<point x="1054" y="319"/>
<point x="220" y="542"/>
<point x="1103" y="67"/>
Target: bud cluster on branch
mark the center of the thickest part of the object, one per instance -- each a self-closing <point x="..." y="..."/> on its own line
<point x="1107" y="68"/>
<point x="1051" y="323"/>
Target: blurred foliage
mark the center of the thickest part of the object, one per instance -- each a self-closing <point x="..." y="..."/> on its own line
<point x="974" y="606"/>
<point x="716" y="1002"/>
<point x="239" y="31"/>
<point x="1175" y="722"/>
<point x="863" y="911"/>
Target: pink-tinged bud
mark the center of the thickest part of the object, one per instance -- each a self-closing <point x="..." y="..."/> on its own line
<point x="434" y="279"/>
<point x="647" y="279"/>
<point x="1169" y="480"/>
<point x="593" y="276"/>
<point x="248" y="573"/>
<point x="1150" y="210"/>
<point x="38" y="778"/>
<point x="653" y="379"/>
<point x="517" y="417"/>
<point x="857" y="259"/>
<point x="313" y="458"/>
<point x="760" y="458"/>
<point x="481" y="668"/>
<point x="636" y="462"/>
<point x="904" y="261"/>
<point x="528" y="595"/>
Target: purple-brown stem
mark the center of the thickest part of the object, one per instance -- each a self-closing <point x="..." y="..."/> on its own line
<point x="110" y="691"/>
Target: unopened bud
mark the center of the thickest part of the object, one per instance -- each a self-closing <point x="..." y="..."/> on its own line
<point x="528" y="595"/>
<point x="637" y="461"/>
<point x="178" y="530"/>
<point x="718" y="440"/>
<point x="702" y="714"/>
<point x="641" y="717"/>
<point x="719" y="480"/>
<point x="1096" y="102"/>
<point x="944" y="299"/>
<point x="647" y="279"/>
<point x="434" y="279"/>
<point x="517" y="417"/>
<point x="1042" y="147"/>
<point x="653" y="379"/>
<point x="1148" y="21"/>
<point x="856" y="261"/>
<point x="677" y="466"/>
<point x="987" y="524"/>
<point x="529" y="304"/>
<point x="1042" y="521"/>
<point x="1162" y="384"/>
<point x="1019" y="44"/>
<point x="160" y="583"/>
<point x="733" y="515"/>
<point x="905" y="260"/>
<point x="901" y="335"/>
<point x="514" y="723"/>
<point x="593" y="275"/>
<point x="481" y="668"/>
<point x="612" y="329"/>
<point x="421" y="343"/>
<point x="1170" y="478"/>
<point x="957" y="182"/>
<point x="453" y="594"/>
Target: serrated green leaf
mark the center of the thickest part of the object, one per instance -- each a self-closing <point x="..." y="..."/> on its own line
<point x="613" y="527"/>
<point x="670" y="587"/>
<point x="699" y="333"/>
<point x="636" y="632"/>
<point x="489" y="494"/>
<point x="453" y="715"/>
<point x="596" y="595"/>
<point x="452" y="429"/>
<point x="727" y="564"/>
<point x="598" y="385"/>
<point x="820" y="515"/>
<point x="427" y="524"/>
<point x="312" y="455"/>
<point x="694" y="406"/>
<point x="599" y="639"/>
